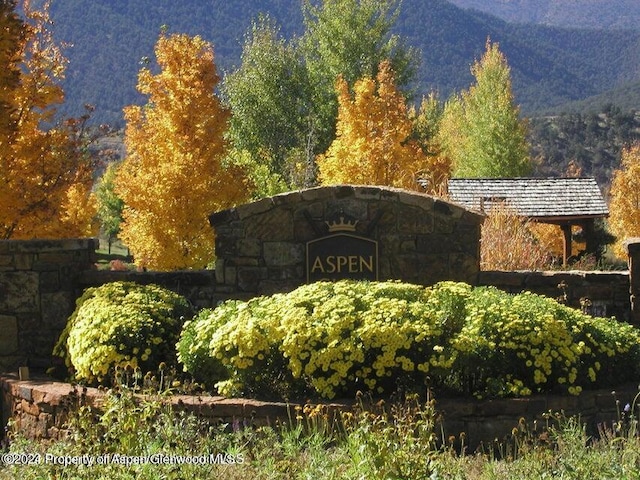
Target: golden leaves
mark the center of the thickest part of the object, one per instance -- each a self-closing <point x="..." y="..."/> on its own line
<point x="45" y="177"/>
<point x="624" y="219"/>
<point x="173" y="176"/>
<point x="372" y="144"/>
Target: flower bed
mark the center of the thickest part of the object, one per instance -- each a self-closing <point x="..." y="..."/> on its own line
<point x="333" y="339"/>
<point x="39" y="408"/>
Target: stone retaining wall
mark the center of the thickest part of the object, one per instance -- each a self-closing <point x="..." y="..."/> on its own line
<point x="39" y="409"/>
<point x="38" y="290"/>
<point x="602" y="294"/>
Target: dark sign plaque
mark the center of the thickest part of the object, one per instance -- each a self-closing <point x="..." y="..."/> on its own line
<point x="340" y="256"/>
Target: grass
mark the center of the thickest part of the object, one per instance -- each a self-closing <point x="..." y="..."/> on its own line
<point x="380" y="442"/>
<point x="118" y="253"/>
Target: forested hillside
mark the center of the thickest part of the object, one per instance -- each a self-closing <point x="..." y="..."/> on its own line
<point x="109" y="41"/>
<point x="597" y="14"/>
<point x="550" y="66"/>
<point x="590" y="141"/>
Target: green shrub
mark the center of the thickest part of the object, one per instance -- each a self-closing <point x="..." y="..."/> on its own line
<point x="193" y="346"/>
<point x="122" y="324"/>
<point x="328" y="338"/>
<point x="526" y="343"/>
<point x="332" y="339"/>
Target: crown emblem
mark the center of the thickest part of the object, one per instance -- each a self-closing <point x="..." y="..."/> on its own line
<point x="342" y="225"/>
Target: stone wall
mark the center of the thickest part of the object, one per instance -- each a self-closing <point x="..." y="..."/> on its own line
<point x="39" y="409"/>
<point x="633" y="253"/>
<point x="38" y="290"/>
<point x="602" y="294"/>
<point x="40" y="280"/>
<point x="198" y="286"/>
<point x="261" y="247"/>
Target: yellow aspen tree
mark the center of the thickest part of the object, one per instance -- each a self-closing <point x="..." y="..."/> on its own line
<point x="12" y="32"/>
<point x="45" y="176"/>
<point x="449" y="134"/>
<point x="373" y="144"/>
<point x="551" y="238"/>
<point x="174" y="177"/>
<point x="624" y="207"/>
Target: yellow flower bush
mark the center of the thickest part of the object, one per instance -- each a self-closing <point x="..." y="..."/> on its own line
<point x="332" y="339"/>
<point x="122" y="324"/>
<point x="526" y="343"/>
<point x="249" y="333"/>
<point x="327" y="338"/>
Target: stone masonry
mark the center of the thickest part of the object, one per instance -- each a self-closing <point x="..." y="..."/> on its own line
<point x="261" y="246"/>
<point x="39" y="409"/>
<point x="38" y="291"/>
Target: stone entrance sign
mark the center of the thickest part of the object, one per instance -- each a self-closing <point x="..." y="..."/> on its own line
<point x="340" y="256"/>
<point x="366" y="232"/>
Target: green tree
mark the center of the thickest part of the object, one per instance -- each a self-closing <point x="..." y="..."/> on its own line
<point x="282" y="96"/>
<point x="350" y="39"/>
<point x="427" y="120"/>
<point x="270" y="100"/>
<point x="110" y="205"/>
<point x="482" y="129"/>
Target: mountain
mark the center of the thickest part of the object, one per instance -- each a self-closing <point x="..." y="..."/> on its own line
<point x="592" y="14"/>
<point x="108" y="40"/>
<point x="550" y="65"/>
<point x="626" y="97"/>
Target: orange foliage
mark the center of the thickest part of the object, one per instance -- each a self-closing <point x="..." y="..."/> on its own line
<point x="624" y="208"/>
<point x="372" y="144"/>
<point x="508" y="244"/>
<point x="551" y="238"/>
<point x="174" y="176"/>
<point x="45" y="179"/>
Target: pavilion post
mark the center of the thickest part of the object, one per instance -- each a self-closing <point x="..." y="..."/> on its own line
<point x="566" y="230"/>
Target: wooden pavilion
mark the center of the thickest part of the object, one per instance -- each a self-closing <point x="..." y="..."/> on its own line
<point x="560" y="201"/>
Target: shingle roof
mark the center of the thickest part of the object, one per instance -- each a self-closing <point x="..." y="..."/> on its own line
<point x="536" y="198"/>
